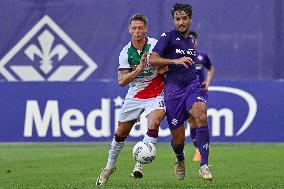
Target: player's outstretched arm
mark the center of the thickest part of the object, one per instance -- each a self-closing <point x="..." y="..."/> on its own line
<point x="162" y="69"/>
<point x="157" y="60"/>
<point x="210" y="76"/>
<point x="125" y="76"/>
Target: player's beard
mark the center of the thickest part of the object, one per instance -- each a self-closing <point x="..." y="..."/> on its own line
<point x="183" y="30"/>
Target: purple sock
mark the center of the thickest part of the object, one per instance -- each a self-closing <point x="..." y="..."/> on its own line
<point x="193" y="135"/>
<point x="202" y="142"/>
<point x="178" y="149"/>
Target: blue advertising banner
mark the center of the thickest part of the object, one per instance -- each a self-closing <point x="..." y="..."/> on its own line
<point x="88" y="111"/>
<point x="59" y="60"/>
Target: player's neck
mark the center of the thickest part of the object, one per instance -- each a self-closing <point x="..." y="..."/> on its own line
<point x="139" y="44"/>
<point x="185" y="34"/>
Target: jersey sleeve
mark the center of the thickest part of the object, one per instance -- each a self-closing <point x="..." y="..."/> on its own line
<point x="207" y="62"/>
<point x="153" y="43"/>
<point x="162" y="44"/>
<point x="123" y="61"/>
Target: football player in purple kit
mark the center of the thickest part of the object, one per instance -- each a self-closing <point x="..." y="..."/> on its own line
<point x="183" y="93"/>
<point x="205" y="72"/>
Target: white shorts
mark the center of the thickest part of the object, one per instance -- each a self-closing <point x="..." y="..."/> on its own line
<point x="132" y="108"/>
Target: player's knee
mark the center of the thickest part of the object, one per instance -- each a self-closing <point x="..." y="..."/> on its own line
<point x="178" y="141"/>
<point x="192" y="123"/>
<point x="178" y="135"/>
<point x="202" y="121"/>
<point x="154" y="124"/>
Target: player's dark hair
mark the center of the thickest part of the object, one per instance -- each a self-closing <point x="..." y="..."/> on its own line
<point x="139" y="17"/>
<point x="194" y="34"/>
<point x="178" y="7"/>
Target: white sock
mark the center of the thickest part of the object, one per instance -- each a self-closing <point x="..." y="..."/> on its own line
<point x="149" y="139"/>
<point x="115" y="149"/>
<point x="138" y="165"/>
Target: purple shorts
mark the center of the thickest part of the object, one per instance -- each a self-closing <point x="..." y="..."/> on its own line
<point x="177" y="109"/>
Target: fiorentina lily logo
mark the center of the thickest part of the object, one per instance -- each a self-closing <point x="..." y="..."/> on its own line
<point x="46" y="53"/>
<point x="46" y="40"/>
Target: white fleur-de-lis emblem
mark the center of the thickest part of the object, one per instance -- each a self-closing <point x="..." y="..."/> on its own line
<point x="46" y="59"/>
<point x="45" y="52"/>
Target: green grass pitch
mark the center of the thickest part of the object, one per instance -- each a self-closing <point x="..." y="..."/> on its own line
<point x="77" y="165"/>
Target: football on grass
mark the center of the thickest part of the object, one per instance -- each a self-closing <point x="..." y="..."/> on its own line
<point x="144" y="153"/>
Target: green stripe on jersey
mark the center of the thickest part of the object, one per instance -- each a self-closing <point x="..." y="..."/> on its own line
<point x="134" y="56"/>
<point x="134" y="59"/>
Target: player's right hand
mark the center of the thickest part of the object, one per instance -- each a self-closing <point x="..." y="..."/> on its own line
<point x="143" y="62"/>
<point x="185" y="61"/>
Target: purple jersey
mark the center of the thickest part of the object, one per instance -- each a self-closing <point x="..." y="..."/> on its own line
<point x="173" y="45"/>
<point x="202" y="63"/>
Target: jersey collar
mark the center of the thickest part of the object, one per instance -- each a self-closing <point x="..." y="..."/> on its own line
<point x="179" y="34"/>
<point x="143" y="49"/>
<point x="143" y="46"/>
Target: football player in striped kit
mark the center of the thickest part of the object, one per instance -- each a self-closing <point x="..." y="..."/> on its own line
<point x="145" y="94"/>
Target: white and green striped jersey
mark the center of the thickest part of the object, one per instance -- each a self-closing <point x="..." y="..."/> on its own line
<point x="149" y="84"/>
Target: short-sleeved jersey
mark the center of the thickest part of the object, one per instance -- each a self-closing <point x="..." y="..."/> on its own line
<point x="173" y="45"/>
<point x="149" y="84"/>
<point x="202" y="63"/>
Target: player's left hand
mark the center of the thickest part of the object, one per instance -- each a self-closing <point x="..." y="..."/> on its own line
<point x="184" y="61"/>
